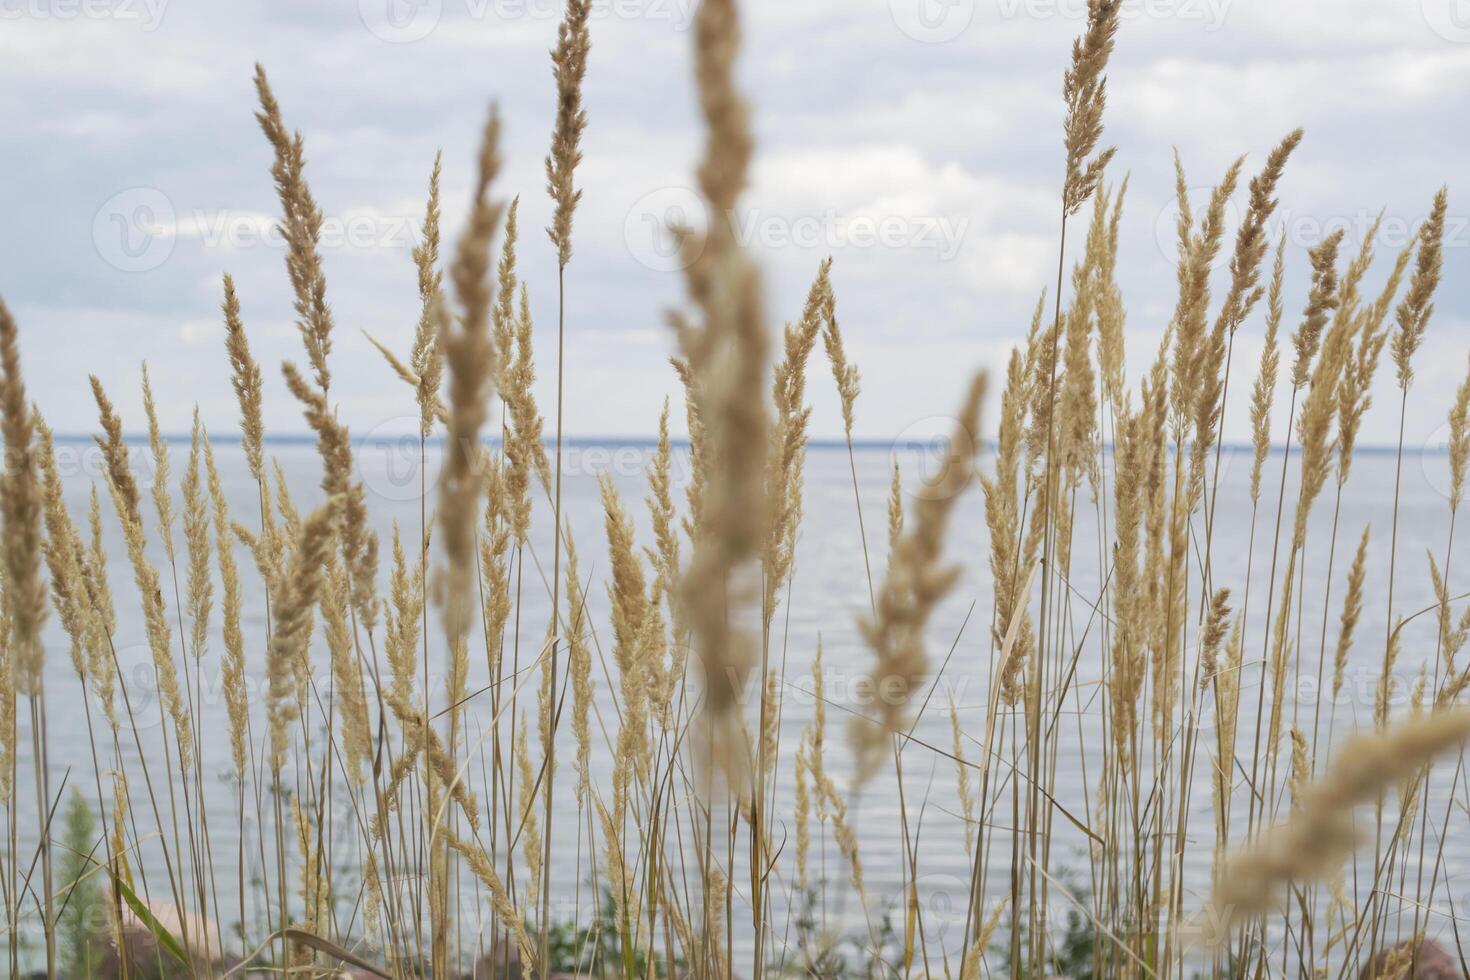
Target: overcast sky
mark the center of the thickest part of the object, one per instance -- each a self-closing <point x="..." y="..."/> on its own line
<point x="917" y="141"/>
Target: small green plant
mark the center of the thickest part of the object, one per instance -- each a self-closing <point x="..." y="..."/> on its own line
<point x="830" y="955"/>
<point x="570" y="947"/>
<point x="1071" y="953"/>
<point x="817" y="948"/>
<point x="596" y="949"/>
<point x="80" y="921"/>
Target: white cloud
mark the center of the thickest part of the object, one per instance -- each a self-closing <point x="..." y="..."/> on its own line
<point x="199" y="332"/>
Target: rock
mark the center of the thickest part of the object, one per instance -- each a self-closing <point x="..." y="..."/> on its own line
<point x="487" y="969"/>
<point x="144" y="956"/>
<point x="1433" y="963"/>
<point x="502" y="966"/>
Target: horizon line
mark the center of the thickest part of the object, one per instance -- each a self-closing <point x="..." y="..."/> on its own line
<point x="643" y="442"/>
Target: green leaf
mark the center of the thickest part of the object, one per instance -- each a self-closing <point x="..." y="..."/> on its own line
<point x="164" y="937"/>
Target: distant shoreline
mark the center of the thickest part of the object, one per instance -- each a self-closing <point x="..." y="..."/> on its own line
<point x="650" y="442"/>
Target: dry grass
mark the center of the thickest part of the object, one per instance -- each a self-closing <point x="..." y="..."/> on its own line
<point x="391" y="818"/>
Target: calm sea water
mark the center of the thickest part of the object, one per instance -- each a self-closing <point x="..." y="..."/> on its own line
<point x="828" y="594"/>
